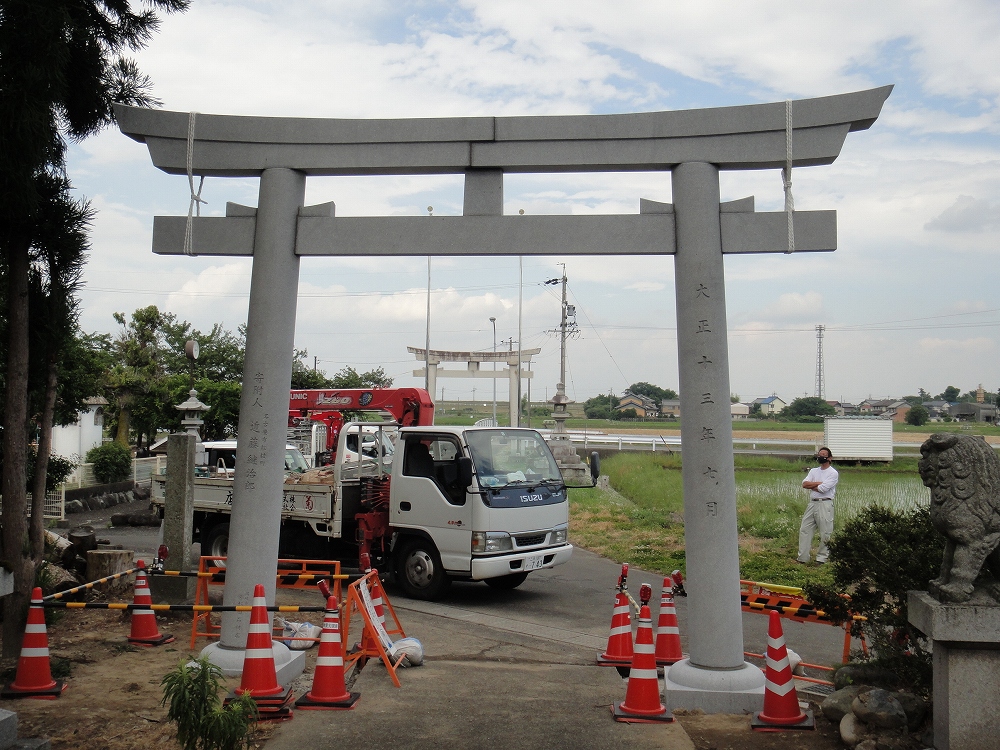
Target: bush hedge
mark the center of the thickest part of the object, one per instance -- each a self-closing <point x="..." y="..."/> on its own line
<point x="112" y="462"/>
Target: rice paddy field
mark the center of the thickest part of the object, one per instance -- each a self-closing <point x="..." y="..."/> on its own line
<point x="640" y="519"/>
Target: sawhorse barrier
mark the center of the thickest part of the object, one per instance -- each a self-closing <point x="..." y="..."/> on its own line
<point x="363" y="597"/>
<point x="292" y="574"/>
<point x="788" y="602"/>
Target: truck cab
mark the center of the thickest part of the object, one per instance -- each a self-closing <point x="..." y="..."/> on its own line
<point x="475" y="504"/>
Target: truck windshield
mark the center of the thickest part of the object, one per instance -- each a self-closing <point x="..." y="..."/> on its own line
<point x="505" y="457"/>
<point x="294" y="461"/>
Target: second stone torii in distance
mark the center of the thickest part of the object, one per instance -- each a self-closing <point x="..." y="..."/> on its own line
<point x="474" y="360"/>
<point x="693" y="145"/>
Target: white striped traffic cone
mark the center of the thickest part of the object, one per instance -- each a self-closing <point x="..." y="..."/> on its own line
<point x="34" y="678"/>
<point x="144" y="631"/>
<point x="781" y="704"/>
<point x="668" y="634"/>
<point x="328" y="688"/>
<point x="642" y="697"/>
<point x="259" y="676"/>
<point x="619" y="650"/>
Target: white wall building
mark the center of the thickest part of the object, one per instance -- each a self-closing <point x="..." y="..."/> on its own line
<point x="75" y="440"/>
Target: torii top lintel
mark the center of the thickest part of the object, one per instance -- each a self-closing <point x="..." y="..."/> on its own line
<point x="737" y="137"/>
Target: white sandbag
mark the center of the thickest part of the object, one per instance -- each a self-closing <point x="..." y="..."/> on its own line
<point x="297" y="630"/>
<point x="413" y="650"/>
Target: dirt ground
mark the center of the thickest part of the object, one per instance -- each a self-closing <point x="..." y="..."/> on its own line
<point x="112" y="701"/>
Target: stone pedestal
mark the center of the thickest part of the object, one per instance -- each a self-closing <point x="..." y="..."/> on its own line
<point x="966" y="639"/>
<point x="178" y="522"/>
<point x="574" y="470"/>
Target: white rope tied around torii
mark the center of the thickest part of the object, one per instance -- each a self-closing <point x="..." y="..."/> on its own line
<point x="786" y="178"/>
<point x="194" y="206"/>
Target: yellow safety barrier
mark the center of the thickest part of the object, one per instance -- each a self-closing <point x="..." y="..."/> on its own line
<point x="292" y="574"/>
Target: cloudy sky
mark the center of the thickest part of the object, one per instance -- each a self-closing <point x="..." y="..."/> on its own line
<point x="908" y="300"/>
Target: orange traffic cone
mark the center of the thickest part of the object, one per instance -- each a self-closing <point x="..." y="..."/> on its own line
<point x="642" y="697"/>
<point x="34" y="678"/>
<point x="328" y="689"/>
<point x="259" y="677"/>
<point x="668" y="635"/>
<point x="144" y="632"/>
<point x="781" y="704"/>
<point x="619" y="650"/>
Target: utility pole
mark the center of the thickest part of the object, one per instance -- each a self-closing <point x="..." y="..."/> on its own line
<point x="567" y="327"/>
<point x="493" y="320"/>
<point x="820" y="369"/>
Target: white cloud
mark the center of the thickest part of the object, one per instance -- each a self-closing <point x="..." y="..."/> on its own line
<point x="966" y="214"/>
<point x="795" y="306"/>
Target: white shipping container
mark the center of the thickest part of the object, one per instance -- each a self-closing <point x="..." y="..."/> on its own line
<point x="858" y="438"/>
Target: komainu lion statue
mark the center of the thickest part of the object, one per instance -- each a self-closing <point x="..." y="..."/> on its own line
<point x="963" y="473"/>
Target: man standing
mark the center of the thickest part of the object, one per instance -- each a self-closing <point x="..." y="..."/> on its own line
<point x="822" y="485"/>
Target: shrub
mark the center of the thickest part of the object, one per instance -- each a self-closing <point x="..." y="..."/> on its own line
<point x="112" y="462"/>
<point x="55" y="474"/>
<point x="876" y="559"/>
<point x="191" y="692"/>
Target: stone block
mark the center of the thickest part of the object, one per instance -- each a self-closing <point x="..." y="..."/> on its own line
<point x="966" y="645"/>
<point x="8" y="727"/>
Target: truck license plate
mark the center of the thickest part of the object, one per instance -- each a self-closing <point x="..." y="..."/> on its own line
<point x="533" y="563"/>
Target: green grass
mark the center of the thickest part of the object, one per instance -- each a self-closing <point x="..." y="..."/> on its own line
<point x="642" y="520"/>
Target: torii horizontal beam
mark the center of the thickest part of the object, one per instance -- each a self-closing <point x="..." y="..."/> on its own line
<point x="239" y="146"/>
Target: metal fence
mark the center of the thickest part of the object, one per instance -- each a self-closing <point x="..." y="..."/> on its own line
<point x="54" y="508"/>
<point x="143" y="469"/>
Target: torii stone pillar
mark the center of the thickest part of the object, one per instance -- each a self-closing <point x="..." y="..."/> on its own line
<point x="694" y="145"/>
<point x="258" y="485"/>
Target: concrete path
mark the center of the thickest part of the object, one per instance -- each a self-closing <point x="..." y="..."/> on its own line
<point x="514" y="670"/>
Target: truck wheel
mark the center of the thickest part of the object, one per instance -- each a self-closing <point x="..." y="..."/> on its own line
<point x="420" y="572"/>
<point x="507" y="582"/>
<point x="217" y="544"/>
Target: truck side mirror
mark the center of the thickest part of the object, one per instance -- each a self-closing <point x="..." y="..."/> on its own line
<point x="595" y="466"/>
<point x="464" y="472"/>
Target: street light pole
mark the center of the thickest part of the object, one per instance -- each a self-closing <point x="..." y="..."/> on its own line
<point x="494" y="322"/>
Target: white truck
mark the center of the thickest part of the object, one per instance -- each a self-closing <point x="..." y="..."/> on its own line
<point x="426" y="505"/>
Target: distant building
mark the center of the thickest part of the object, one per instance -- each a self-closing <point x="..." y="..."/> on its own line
<point x="76" y="439"/>
<point x="973" y="412"/>
<point x="769" y="405"/>
<point x="936" y="410"/>
<point x="644" y="406"/>
<point x="739" y="411"/>
<point x="844" y="409"/>
<point x="887" y="407"/>
<point x="670" y="408"/>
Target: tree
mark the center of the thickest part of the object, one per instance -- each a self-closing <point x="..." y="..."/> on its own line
<point x="61" y="69"/>
<point x="653" y="391"/>
<point x="600" y="407"/>
<point x="135" y="380"/>
<point x="304" y="376"/>
<point x="950" y="394"/>
<point x="808" y="406"/>
<point x="917" y="415"/>
<point x="348" y="377"/>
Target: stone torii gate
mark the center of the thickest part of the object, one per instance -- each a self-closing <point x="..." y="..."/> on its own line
<point x="474" y="360"/>
<point x="693" y="145"/>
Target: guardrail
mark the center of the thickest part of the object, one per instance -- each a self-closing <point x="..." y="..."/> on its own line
<point x="670" y="443"/>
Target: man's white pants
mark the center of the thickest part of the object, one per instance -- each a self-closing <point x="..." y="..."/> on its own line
<point x="818" y="515"/>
